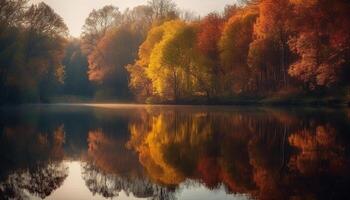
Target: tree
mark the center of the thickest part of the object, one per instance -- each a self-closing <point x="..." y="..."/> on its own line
<point x="264" y="62"/>
<point x="209" y="34"/>
<point x="76" y="81"/>
<point x="11" y="12"/>
<point x="171" y="62"/>
<point x="44" y="47"/>
<point x="32" y="54"/>
<point x="162" y="9"/>
<point x="97" y="24"/>
<point x="234" y="48"/>
<point x="269" y="53"/>
<point x="139" y="81"/>
<point x="322" y="46"/>
<point x="141" y="18"/>
<point x="107" y="62"/>
<point x="42" y="19"/>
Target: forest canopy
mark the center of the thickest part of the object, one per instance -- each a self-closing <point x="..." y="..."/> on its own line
<point x="159" y="53"/>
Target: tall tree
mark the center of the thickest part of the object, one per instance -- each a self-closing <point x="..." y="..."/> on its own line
<point x="321" y="41"/>
<point x="107" y="62"/>
<point x="43" y="20"/>
<point x="32" y="61"/>
<point x="162" y="9"/>
<point x="234" y="48"/>
<point x="139" y="83"/>
<point x="269" y="52"/>
<point x="209" y="34"/>
<point x="11" y="12"/>
<point x="76" y="81"/>
<point x="97" y="24"/>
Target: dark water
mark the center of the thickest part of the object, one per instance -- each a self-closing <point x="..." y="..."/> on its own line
<point x="144" y="152"/>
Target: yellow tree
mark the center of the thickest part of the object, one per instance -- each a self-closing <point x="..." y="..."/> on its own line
<point x="172" y="61"/>
<point x="234" y="48"/>
<point x="139" y="82"/>
<point x="164" y="79"/>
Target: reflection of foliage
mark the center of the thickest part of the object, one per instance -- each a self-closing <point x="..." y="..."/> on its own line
<point x="31" y="161"/>
<point x="99" y="183"/>
<point x="319" y="151"/>
<point x="109" y="185"/>
<point x="179" y="146"/>
<point x="265" y="157"/>
<point x="248" y="153"/>
<point x="110" y="155"/>
<point x="111" y="168"/>
<point x="40" y="181"/>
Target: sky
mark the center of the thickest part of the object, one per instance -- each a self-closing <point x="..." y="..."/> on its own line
<point x="74" y="12"/>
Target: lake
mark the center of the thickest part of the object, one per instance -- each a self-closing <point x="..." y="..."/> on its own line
<point x="107" y="151"/>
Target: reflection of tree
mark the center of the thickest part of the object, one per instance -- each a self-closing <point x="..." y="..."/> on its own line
<point x="110" y="168"/>
<point x="265" y="157"/>
<point x="110" y="185"/>
<point x="8" y="190"/>
<point x="32" y="162"/>
<point x="99" y="183"/>
<point x="179" y="146"/>
<point x="111" y="155"/>
<point x="247" y="152"/>
<point x="40" y="181"/>
<point x="318" y="151"/>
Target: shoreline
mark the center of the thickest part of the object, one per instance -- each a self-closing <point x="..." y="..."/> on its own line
<point x="314" y="104"/>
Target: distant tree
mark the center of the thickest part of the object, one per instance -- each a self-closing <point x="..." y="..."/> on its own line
<point x="140" y="17"/>
<point x="11" y="12"/>
<point x="107" y="62"/>
<point x="97" y="24"/>
<point x="31" y="53"/>
<point x="162" y="9"/>
<point x="76" y="81"/>
<point x="43" y="20"/>
<point x="44" y="47"/>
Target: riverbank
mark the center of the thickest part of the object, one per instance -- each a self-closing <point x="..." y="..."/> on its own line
<point x="239" y="101"/>
<point x="314" y="101"/>
<point x="321" y="102"/>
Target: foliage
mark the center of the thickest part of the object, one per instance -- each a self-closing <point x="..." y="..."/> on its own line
<point x="160" y="53"/>
<point x="255" y="49"/>
<point x="31" y="52"/>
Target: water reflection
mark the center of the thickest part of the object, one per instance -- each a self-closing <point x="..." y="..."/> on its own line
<point x="109" y="168"/>
<point x="31" y="161"/>
<point x="175" y="152"/>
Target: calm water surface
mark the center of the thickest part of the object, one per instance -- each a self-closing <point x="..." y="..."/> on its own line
<point x="173" y="152"/>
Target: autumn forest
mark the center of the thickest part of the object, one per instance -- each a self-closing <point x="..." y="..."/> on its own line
<point x="148" y="99"/>
<point x="254" y="51"/>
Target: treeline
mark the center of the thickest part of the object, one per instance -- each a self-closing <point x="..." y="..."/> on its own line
<point x="32" y="43"/>
<point x="262" y="49"/>
<point x="40" y="61"/>
<point x="158" y="53"/>
<point x="111" y="41"/>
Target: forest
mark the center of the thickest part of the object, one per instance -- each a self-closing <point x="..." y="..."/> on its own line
<point x="254" y="51"/>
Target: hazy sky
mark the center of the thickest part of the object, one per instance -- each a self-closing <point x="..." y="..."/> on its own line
<point x="74" y="12"/>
